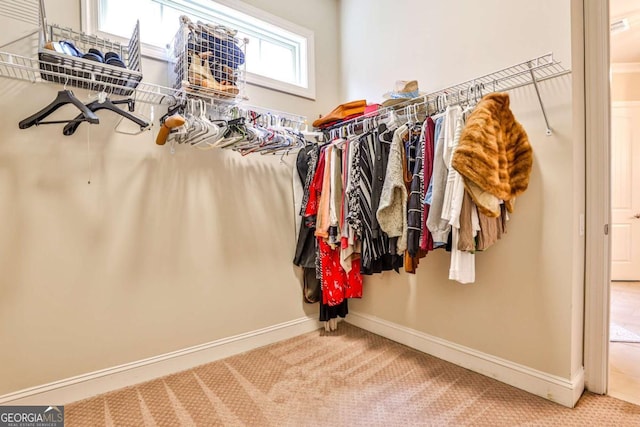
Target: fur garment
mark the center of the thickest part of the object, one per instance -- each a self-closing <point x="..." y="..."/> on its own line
<point x="494" y="155"/>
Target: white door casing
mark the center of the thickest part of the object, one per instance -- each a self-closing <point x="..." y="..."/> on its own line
<point x="598" y="199"/>
<point x="625" y="191"/>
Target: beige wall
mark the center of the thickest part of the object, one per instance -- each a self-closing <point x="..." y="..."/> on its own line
<point x="160" y="252"/>
<point x="526" y="304"/>
<point x="321" y="16"/>
<point x="625" y="86"/>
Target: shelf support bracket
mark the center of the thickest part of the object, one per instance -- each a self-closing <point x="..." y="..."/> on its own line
<point x="535" y="85"/>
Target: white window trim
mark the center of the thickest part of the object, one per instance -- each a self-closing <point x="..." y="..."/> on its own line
<point x="89" y="21"/>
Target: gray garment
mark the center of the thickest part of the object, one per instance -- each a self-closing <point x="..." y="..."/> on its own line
<point x="439" y="229"/>
<point x="436" y="138"/>
<point x="392" y="212"/>
<point x="381" y="147"/>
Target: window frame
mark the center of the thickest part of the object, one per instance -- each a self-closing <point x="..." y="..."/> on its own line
<point x="90" y="24"/>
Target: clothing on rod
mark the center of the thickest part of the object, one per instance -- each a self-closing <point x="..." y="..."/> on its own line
<point x="383" y="198"/>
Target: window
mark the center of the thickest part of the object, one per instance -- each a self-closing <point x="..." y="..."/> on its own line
<point x="279" y="54"/>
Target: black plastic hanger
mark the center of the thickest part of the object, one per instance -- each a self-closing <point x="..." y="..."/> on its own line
<point x="108" y="104"/>
<point x="64" y="97"/>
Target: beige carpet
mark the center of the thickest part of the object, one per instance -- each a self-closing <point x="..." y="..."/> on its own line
<point x="345" y="378"/>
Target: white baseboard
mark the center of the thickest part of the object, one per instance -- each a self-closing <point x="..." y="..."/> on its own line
<point x="87" y="385"/>
<point x="561" y="390"/>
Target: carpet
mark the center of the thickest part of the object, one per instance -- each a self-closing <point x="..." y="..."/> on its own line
<point x="348" y="377"/>
<point x="618" y="333"/>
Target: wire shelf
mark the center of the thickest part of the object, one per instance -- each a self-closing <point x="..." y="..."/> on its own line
<point x="208" y="61"/>
<point x="88" y="61"/>
<point x="35" y="71"/>
<point x="529" y="72"/>
<point x="120" y="72"/>
<point x="525" y="73"/>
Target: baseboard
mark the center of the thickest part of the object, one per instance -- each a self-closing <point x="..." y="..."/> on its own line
<point x="87" y="385"/>
<point x="561" y="390"/>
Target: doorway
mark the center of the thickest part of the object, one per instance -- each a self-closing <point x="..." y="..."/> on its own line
<point x="624" y="322"/>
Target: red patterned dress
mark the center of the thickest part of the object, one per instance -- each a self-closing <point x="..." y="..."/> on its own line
<point x="336" y="283"/>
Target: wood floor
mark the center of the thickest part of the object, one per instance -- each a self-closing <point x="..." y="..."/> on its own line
<point x="624" y="358"/>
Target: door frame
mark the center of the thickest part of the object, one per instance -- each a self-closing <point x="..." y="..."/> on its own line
<point x="598" y="194"/>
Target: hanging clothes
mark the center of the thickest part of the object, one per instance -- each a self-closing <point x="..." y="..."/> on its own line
<point x="413" y="181"/>
<point x="392" y="212"/>
<point x="306" y="163"/>
<point x="305" y="255"/>
<point x="385" y="198"/>
<point x="495" y="156"/>
<point x="381" y="147"/>
<point x="323" y="219"/>
<point x="416" y="195"/>
<point x="435" y="195"/>
<point x="349" y="242"/>
<point x="328" y="312"/>
<point x="354" y="216"/>
<point x="336" y="283"/>
<point x="335" y="193"/>
<point x="462" y="267"/>
<point x="492" y="229"/>
<point x="426" y="241"/>
<point x="469" y="225"/>
<point x="376" y="254"/>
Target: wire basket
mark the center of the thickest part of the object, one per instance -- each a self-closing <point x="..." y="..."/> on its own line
<point x="209" y="61"/>
<point x="87" y="61"/>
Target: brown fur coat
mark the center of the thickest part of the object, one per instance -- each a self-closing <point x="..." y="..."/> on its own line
<point x="494" y="155"/>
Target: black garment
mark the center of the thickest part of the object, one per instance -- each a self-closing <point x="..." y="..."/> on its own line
<point x="305" y="256"/>
<point x="414" y="202"/>
<point x="305" y="249"/>
<point x="328" y="312"/>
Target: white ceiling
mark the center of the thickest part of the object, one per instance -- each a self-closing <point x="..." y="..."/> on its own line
<point x="625" y="46"/>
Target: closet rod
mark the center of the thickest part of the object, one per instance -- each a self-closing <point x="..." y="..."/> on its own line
<point x="275" y="114"/>
<point x="525" y="73"/>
